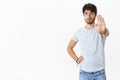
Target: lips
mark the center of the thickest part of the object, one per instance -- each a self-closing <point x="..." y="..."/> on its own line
<point x="89" y="19"/>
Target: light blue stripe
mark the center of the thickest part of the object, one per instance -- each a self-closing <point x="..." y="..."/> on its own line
<point x="91" y="45"/>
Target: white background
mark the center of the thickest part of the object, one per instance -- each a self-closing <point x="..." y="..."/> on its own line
<point x="34" y="35"/>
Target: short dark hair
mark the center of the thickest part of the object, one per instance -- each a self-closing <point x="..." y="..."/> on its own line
<point x="91" y="7"/>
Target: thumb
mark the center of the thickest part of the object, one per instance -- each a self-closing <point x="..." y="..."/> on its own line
<point x="95" y="25"/>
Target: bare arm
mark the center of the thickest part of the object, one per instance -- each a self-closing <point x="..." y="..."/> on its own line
<point x="71" y="52"/>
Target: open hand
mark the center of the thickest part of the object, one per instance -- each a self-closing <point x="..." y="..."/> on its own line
<point x="100" y="25"/>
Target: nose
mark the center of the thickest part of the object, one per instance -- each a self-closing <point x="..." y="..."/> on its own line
<point x="88" y="16"/>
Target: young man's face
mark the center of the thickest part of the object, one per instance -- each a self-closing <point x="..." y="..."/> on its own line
<point x="89" y="16"/>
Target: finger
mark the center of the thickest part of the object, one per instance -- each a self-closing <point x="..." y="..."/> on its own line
<point x="103" y="20"/>
<point x="98" y="18"/>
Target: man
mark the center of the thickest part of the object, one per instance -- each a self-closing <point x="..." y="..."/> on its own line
<point x="91" y="39"/>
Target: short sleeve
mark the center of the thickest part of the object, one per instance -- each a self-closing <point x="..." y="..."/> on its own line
<point x="104" y="39"/>
<point x="75" y="35"/>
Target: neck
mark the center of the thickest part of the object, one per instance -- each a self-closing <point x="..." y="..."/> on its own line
<point x="89" y="26"/>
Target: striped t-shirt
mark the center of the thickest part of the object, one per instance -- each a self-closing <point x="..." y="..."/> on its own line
<point x="91" y="44"/>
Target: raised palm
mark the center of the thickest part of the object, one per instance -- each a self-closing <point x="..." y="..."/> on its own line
<point x="100" y="22"/>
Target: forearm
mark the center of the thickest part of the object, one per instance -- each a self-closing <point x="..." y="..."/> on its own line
<point x="72" y="54"/>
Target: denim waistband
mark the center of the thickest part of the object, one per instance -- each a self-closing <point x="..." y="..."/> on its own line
<point x="100" y="71"/>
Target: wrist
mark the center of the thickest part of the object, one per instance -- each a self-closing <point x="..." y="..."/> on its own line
<point x="103" y="31"/>
<point x="77" y="60"/>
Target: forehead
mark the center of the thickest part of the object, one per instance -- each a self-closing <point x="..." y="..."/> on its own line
<point x="89" y="11"/>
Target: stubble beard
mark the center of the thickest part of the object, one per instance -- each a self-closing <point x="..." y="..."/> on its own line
<point x="90" y="21"/>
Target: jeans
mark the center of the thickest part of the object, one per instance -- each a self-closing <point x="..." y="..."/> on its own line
<point x="99" y="75"/>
